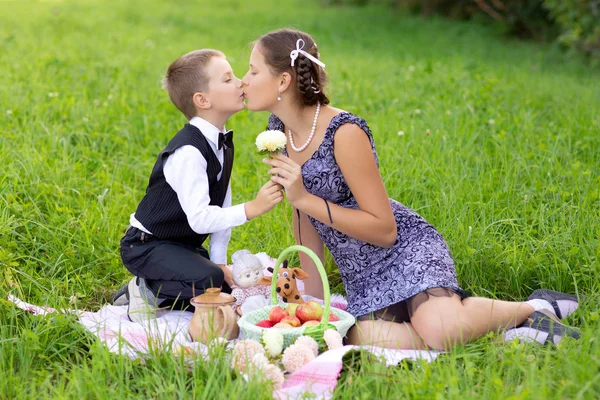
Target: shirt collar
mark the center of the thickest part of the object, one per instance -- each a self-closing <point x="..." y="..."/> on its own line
<point x="210" y="131"/>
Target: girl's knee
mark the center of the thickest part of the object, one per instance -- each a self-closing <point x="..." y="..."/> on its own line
<point x="439" y="337"/>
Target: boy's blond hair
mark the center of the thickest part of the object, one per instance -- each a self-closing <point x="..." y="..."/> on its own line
<point x="186" y="76"/>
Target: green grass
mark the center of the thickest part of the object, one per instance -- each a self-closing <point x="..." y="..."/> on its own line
<point x="82" y="117"/>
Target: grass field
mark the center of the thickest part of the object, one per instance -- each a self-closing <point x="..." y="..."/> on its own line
<point x="500" y="151"/>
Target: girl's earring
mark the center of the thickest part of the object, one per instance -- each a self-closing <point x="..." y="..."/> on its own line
<point x="279" y="95"/>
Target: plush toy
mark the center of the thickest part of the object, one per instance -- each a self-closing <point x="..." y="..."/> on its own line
<point x="247" y="272"/>
<point x="287" y="286"/>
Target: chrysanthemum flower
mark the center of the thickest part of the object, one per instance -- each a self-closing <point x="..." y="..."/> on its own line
<point x="296" y="356"/>
<point x="333" y="339"/>
<point x="273" y="341"/>
<point x="243" y="353"/>
<point x="270" y="142"/>
<point x="308" y="342"/>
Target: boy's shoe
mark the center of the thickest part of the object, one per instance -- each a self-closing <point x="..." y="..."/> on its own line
<point x="570" y="304"/>
<point x="141" y="308"/>
<point x="121" y="297"/>
<point x="542" y="327"/>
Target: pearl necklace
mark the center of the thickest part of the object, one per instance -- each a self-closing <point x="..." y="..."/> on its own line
<point x="312" y="133"/>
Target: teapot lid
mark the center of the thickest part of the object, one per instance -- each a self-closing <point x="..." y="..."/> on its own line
<point x="213" y="296"/>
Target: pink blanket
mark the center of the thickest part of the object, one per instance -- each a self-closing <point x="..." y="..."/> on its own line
<point x="170" y="331"/>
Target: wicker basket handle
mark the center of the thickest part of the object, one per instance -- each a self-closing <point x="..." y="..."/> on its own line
<point x="317" y="261"/>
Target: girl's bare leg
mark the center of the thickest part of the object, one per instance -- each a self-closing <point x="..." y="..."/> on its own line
<point x="444" y="321"/>
<point x="392" y="335"/>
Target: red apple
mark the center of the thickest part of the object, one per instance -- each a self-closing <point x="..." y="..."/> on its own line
<point x="293" y="321"/>
<point x="291" y="309"/>
<point x="311" y="310"/>
<point x="282" y="325"/>
<point x="276" y="314"/>
<point x="265" y="323"/>
<point x="311" y="323"/>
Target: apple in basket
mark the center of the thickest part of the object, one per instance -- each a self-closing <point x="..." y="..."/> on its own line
<point x="265" y="323"/>
<point x="276" y="314"/>
<point x="293" y="321"/>
<point x="311" y="310"/>
<point x="282" y="325"/>
<point x="333" y="317"/>
<point x="312" y="322"/>
<point x="291" y="309"/>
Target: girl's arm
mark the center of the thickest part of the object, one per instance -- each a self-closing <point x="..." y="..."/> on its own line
<point x="308" y="237"/>
<point x="374" y="221"/>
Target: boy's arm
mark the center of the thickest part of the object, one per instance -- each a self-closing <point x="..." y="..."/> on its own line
<point x="220" y="240"/>
<point x="185" y="172"/>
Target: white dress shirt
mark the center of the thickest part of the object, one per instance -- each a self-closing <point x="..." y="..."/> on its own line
<point x="185" y="172"/>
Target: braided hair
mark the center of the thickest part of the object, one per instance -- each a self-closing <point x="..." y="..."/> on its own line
<point x="310" y="78"/>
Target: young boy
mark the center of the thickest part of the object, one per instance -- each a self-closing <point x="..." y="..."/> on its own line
<point x="188" y="197"/>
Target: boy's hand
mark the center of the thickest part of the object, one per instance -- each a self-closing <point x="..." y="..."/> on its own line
<point x="228" y="275"/>
<point x="267" y="197"/>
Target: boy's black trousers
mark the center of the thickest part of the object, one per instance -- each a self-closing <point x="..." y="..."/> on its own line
<point x="172" y="270"/>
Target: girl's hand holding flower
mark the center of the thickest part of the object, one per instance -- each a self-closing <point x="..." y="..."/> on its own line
<point x="288" y="174"/>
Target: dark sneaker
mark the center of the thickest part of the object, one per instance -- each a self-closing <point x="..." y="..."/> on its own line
<point x="553" y="297"/>
<point x="139" y="309"/>
<point x="121" y="297"/>
<point x="542" y="327"/>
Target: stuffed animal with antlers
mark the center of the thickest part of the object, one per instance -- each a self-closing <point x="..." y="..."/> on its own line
<point x="286" y="283"/>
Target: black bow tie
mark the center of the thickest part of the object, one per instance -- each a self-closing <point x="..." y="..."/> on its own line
<point x="225" y="139"/>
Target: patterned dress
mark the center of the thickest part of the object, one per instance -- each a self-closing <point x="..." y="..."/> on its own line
<point x="375" y="277"/>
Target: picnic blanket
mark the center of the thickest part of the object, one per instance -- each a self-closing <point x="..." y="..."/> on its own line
<point x="169" y="331"/>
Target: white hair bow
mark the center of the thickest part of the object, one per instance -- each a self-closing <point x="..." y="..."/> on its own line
<point x="299" y="46"/>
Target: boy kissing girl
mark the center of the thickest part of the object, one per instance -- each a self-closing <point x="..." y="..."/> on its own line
<point x="188" y="197"/>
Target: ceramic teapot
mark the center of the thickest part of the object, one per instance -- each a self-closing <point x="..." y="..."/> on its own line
<point x="214" y="317"/>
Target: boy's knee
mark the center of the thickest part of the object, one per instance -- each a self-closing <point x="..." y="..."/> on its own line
<point x="216" y="277"/>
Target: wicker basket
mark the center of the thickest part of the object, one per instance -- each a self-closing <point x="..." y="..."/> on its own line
<point x="247" y="322"/>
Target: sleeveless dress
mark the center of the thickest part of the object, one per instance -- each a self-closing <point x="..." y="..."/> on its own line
<point x="376" y="277"/>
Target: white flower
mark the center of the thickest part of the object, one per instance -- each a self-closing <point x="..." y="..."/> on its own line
<point x="274" y="374"/>
<point x="296" y="356"/>
<point x="52" y="94"/>
<point x="333" y="339"/>
<point x="418" y="111"/>
<point x="273" y="340"/>
<point x="271" y="141"/>
<point x="411" y="68"/>
<point x="491" y="122"/>
<point x="243" y="352"/>
<point x="260" y="361"/>
<point x="8" y="112"/>
<point x="308" y="342"/>
<point x="400" y="133"/>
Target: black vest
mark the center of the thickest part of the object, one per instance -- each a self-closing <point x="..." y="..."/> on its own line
<point x="160" y="211"/>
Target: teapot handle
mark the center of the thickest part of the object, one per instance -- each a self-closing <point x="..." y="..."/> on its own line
<point x="229" y="321"/>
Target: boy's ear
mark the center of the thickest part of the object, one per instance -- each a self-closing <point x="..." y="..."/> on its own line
<point x="285" y="81"/>
<point x="201" y="101"/>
